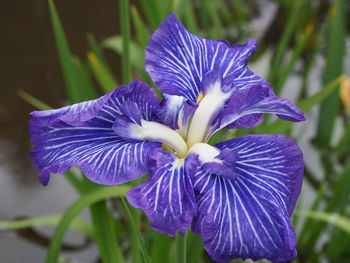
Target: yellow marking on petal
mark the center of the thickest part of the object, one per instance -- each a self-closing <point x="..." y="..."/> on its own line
<point x="200" y="97"/>
<point x="180" y="161"/>
<point x="167" y="148"/>
<point x="344" y="93"/>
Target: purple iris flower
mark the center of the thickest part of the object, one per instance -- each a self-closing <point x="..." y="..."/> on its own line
<point x="238" y="195"/>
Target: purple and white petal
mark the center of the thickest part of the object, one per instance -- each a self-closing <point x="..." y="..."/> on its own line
<point x="167" y="197"/>
<point x="249" y="217"/>
<point x="177" y="60"/>
<point x="83" y="135"/>
<point x="245" y="109"/>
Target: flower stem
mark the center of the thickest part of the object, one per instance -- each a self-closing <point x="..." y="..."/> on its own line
<point x="180" y="246"/>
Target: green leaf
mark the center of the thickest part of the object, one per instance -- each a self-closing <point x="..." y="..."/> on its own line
<point x="334" y="68"/>
<point x="294" y="16"/>
<point x="70" y="78"/>
<point x="32" y="100"/>
<point x="74" y="210"/>
<point x="125" y="29"/>
<point x="116" y="44"/>
<point x="79" y="225"/>
<point x="137" y="240"/>
<point x="104" y="78"/>
<point x="281" y="126"/>
<point x="142" y="34"/>
<point x="161" y="247"/>
<point x="87" y="89"/>
<point x="334" y="219"/>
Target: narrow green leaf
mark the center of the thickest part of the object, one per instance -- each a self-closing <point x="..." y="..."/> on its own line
<point x="87" y="89"/>
<point x="334" y="219"/>
<point x="70" y="78"/>
<point x="142" y="34"/>
<point x="107" y="82"/>
<point x="32" y="100"/>
<point x="137" y="54"/>
<point x="74" y="210"/>
<point x="97" y="50"/>
<point x="135" y="229"/>
<point x="180" y="247"/>
<point x="196" y="249"/>
<point x="125" y="29"/>
<point x="284" y="40"/>
<point x="161" y="247"/>
<point x="79" y="225"/>
<point x="295" y="55"/>
<point x="334" y="68"/>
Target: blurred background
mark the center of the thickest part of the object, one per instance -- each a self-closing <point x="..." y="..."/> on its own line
<point x="304" y="47"/>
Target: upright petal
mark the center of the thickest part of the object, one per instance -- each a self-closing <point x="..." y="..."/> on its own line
<point x="167" y="197"/>
<point x="249" y="217"/>
<point x="82" y="135"/>
<point x="177" y="60"/>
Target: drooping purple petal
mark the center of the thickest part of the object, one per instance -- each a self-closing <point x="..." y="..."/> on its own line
<point x="167" y="197"/>
<point x="249" y="217"/>
<point x="245" y="109"/>
<point x="177" y="60"/>
<point x="82" y="135"/>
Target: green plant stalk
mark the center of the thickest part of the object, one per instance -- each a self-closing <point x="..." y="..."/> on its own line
<point x="142" y="35"/>
<point x="203" y="7"/>
<point x="32" y="100"/>
<point x="337" y="203"/>
<point x="296" y="53"/>
<point x="334" y="68"/>
<point x="79" y="225"/>
<point x="180" y="247"/>
<point x="125" y="29"/>
<point x="97" y="50"/>
<point x="137" y="240"/>
<point x="70" y="79"/>
<point x="74" y="210"/>
<point x="103" y="77"/>
<point x="104" y="228"/>
<point x="283" y="42"/>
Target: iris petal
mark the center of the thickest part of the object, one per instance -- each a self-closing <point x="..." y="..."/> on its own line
<point x="82" y="135"/>
<point x="249" y="217"/>
<point x="177" y="60"/>
<point x="245" y="109"/>
<point x="167" y="197"/>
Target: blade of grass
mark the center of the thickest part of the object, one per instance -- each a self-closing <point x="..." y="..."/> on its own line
<point x="137" y="238"/>
<point x="97" y="50"/>
<point x="337" y="203"/>
<point x="107" y="82"/>
<point x="116" y="44"/>
<point x="283" y="42"/>
<point x="161" y="247"/>
<point x="74" y="210"/>
<point x="125" y="29"/>
<point x="70" y="79"/>
<point x="334" y="219"/>
<point x="88" y="91"/>
<point x="196" y="248"/>
<point x="79" y="225"/>
<point x="180" y="247"/>
<point x="296" y="53"/>
<point x="38" y="104"/>
<point x="142" y="35"/>
<point x="333" y="69"/>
